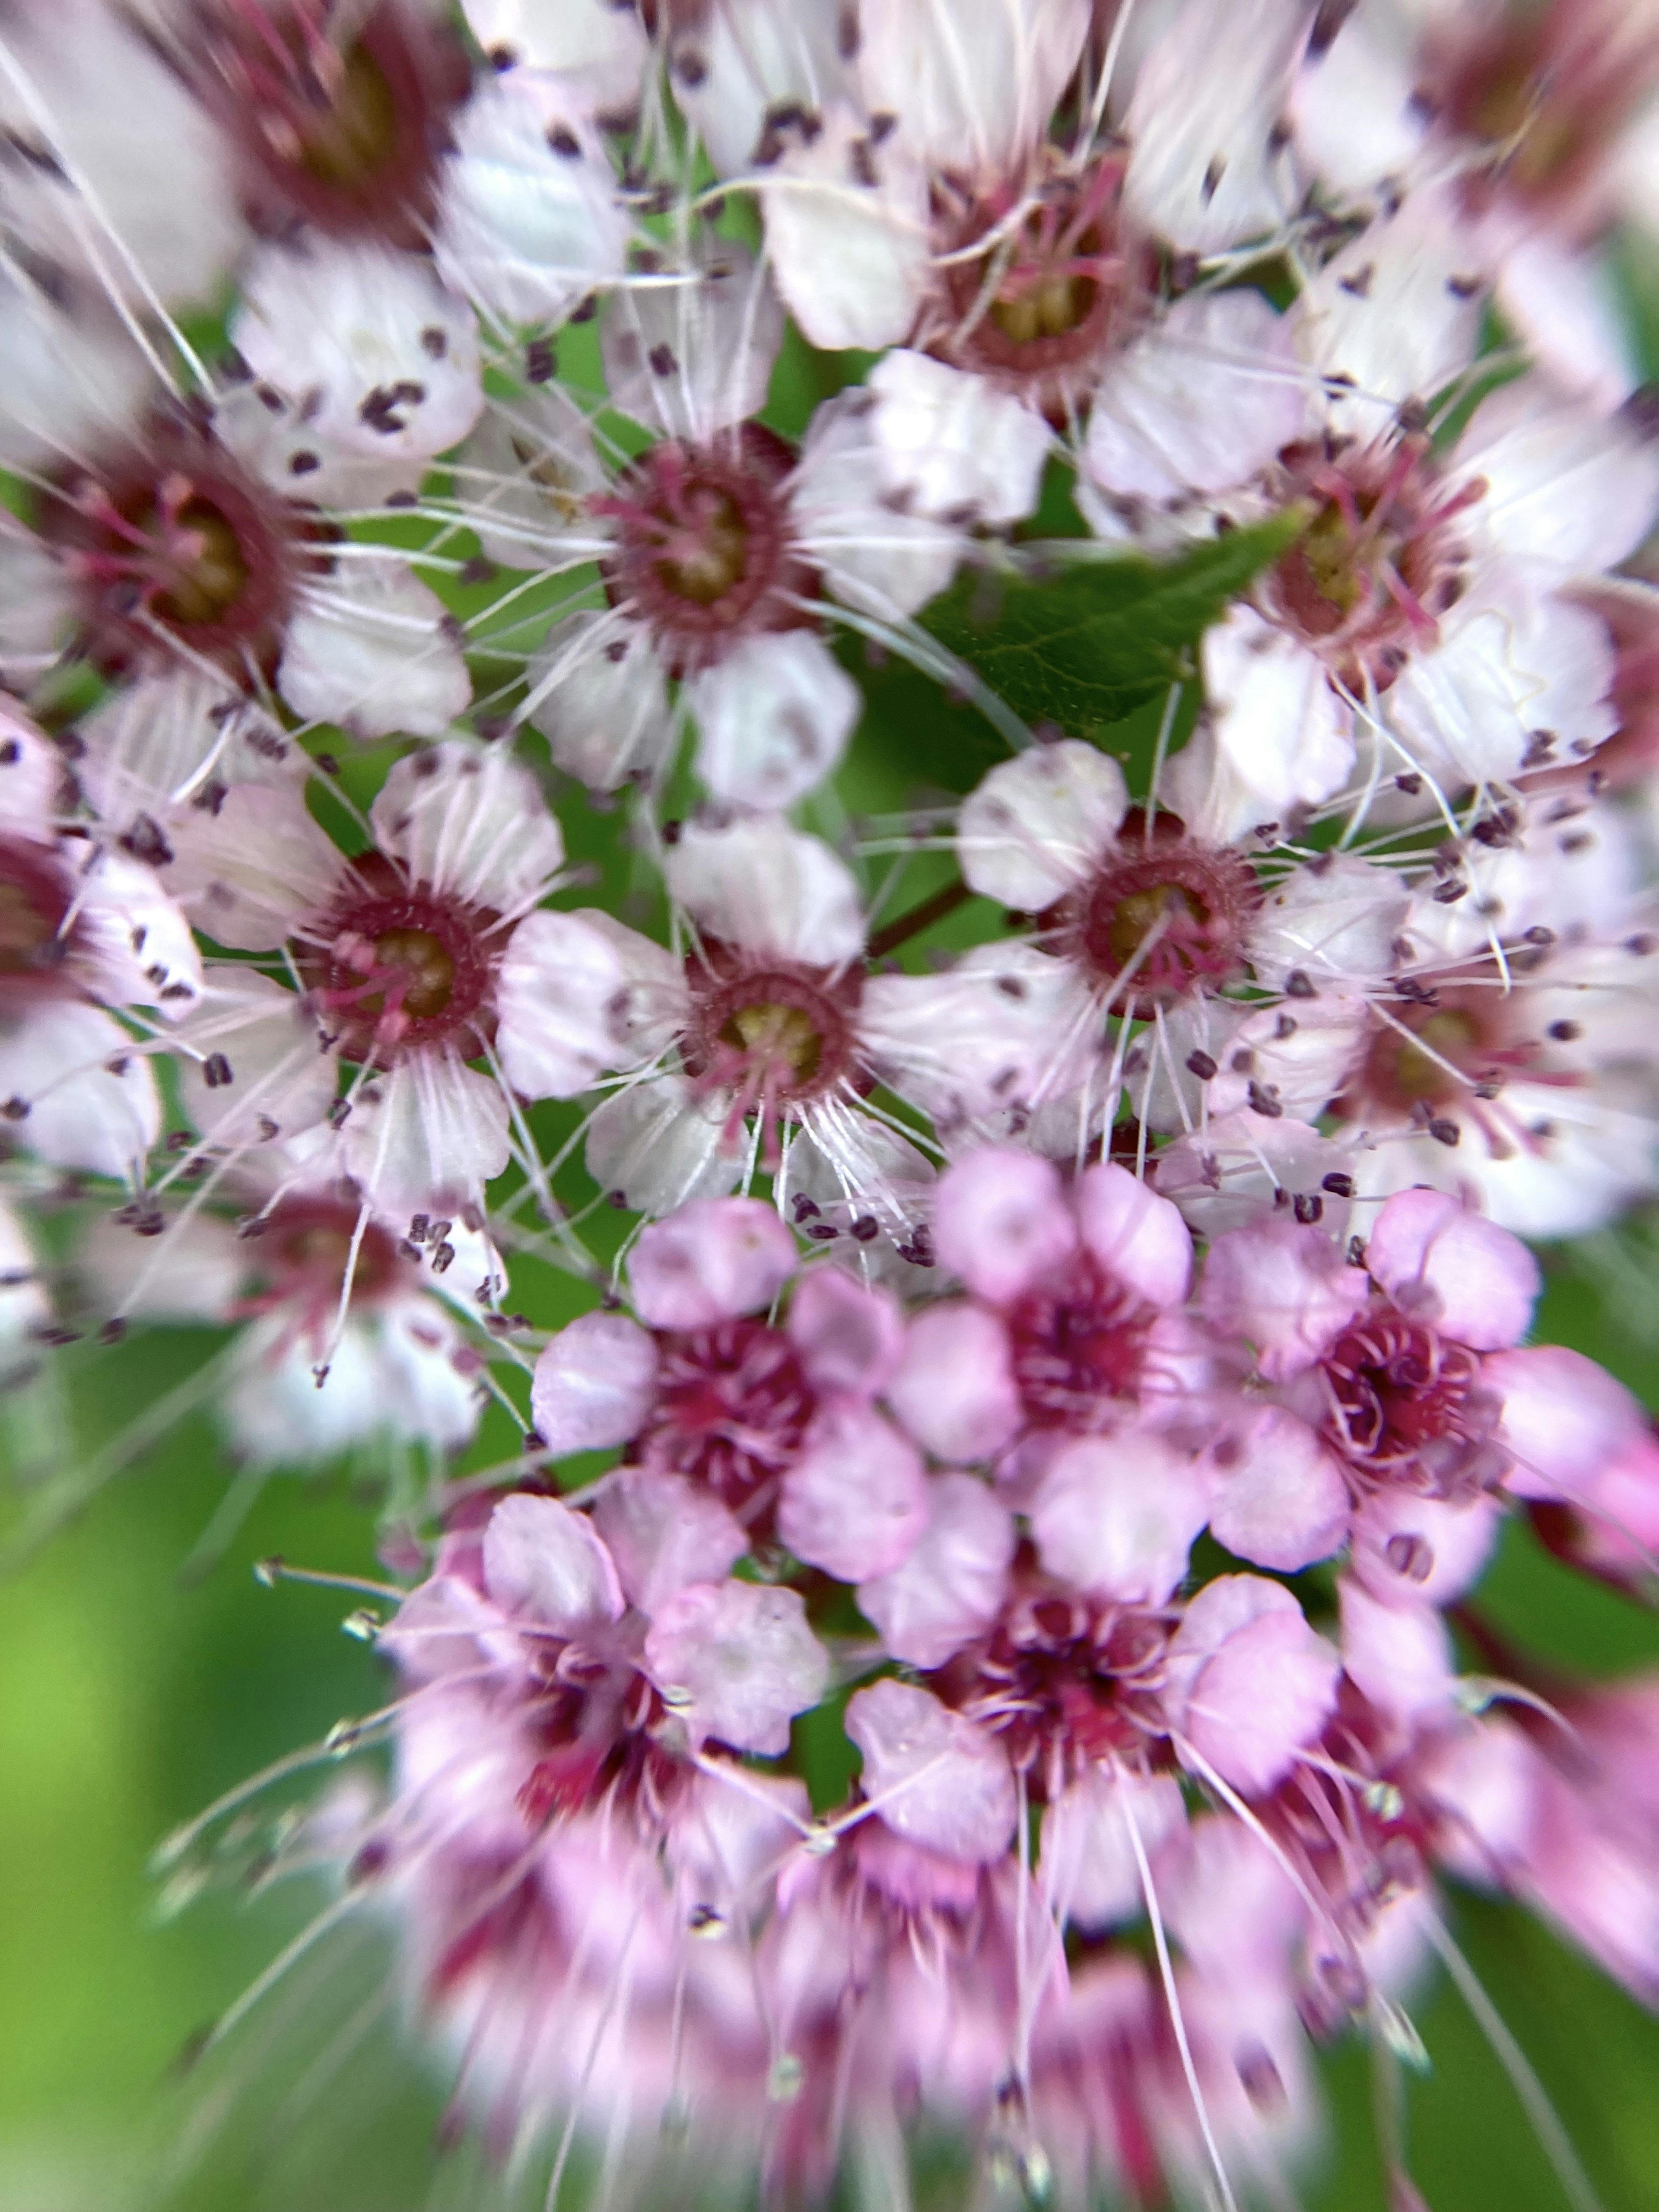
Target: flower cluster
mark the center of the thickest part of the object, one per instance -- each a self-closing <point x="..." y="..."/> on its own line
<point x="1023" y="1358"/>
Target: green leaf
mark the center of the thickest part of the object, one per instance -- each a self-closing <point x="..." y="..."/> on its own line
<point x="1083" y="643"/>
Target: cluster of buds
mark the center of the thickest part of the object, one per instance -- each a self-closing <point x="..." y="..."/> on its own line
<point x="969" y="1630"/>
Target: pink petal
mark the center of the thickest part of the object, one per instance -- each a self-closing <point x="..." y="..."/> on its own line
<point x="664" y="1534"/>
<point x="544" y="1561"/>
<point x="938" y="1779"/>
<point x="951" y="1587"/>
<point x="1565" y="1419"/>
<point x="1470" y="1279"/>
<point x="954" y="1389"/>
<point x="1117" y="1516"/>
<point x="738" y="1661"/>
<point x="846" y="1336"/>
<point x="1000" y="1222"/>
<point x="1139" y="1238"/>
<point x="1267" y="1686"/>
<point x="1279" y="1498"/>
<point x="1283" y="1287"/>
<point x="594" y="1383"/>
<point x="1422" y="1548"/>
<point x="714" y="1260"/>
<point x="1401" y="1656"/>
<point x="856" y="1499"/>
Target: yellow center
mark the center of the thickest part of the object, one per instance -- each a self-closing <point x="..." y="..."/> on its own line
<point x="1136" y="916"/>
<point x="211" y="577"/>
<point x="1420" y="1070"/>
<point x="1046" y="308"/>
<point x="707" y="571"/>
<point x="425" y="963"/>
<point x="779" y="1035"/>
<point x="356" y="134"/>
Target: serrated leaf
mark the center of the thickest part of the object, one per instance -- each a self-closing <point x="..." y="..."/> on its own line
<point x="1085" y="642"/>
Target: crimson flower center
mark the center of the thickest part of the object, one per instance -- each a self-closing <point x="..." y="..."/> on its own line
<point x="1401" y="1396"/>
<point x="304" y="1248"/>
<point x="1078" y="1344"/>
<point x="405" y="968"/>
<point x="33" y="902"/>
<point x="1055" y="289"/>
<point x="1159" y="922"/>
<point x="1066" y="1684"/>
<point x="732" y="1407"/>
<point x="769" y="1036"/>
<point x="1366" y="582"/>
<point x="703" y="547"/>
<point x="346" y="131"/>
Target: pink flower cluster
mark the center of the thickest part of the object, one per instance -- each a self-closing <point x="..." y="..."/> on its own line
<point x="977" y="1528"/>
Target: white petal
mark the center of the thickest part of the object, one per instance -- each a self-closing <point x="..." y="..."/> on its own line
<point x="468" y="819"/>
<point x="1564" y="484"/>
<point x="973" y="84"/>
<point x="1396" y="314"/>
<point x="850" y="255"/>
<point x="1200" y="403"/>
<point x="528" y="227"/>
<point x="526" y="476"/>
<point x="271" y="1078"/>
<point x="1006" y="1027"/>
<point x="1089" y="1864"/>
<point x="734" y="65"/>
<point x="1351" y="104"/>
<point x="558" y="982"/>
<point x="599" y="53"/>
<point x="873" y="554"/>
<point x="1280" y="734"/>
<point x="953" y="446"/>
<point x="1571" y="318"/>
<point x="249" y="872"/>
<point x="660" y="1147"/>
<point x="1511" y="660"/>
<point x="1038" y="825"/>
<point x="393" y="355"/>
<point x="774" y="718"/>
<point x="138" y="948"/>
<point x="692" y="357"/>
<point x="90" y="1101"/>
<point x="274" y="442"/>
<point x="602" y="700"/>
<point x="430" y="1129"/>
<point x="1202" y="172"/>
<point x="768" y="889"/>
<point x="374" y="650"/>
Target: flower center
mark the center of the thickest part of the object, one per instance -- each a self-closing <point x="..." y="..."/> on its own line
<point x="34" y="944"/>
<point x="1078" y="1346"/>
<point x="1543" y="92"/>
<point x="1055" y="291"/>
<point x="1400" y="1396"/>
<point x="345" y="132"/>
<point x="1366" y="582"/>
<point x="178" y="541"/>
<point x="1166" y="920"/>
<point x="1426" y="1056"/>
<point x="304" y="1247"/>
<point x="771" y="1037"/>
<point x="1064" y="1682"/>
<point x="596" y="1725"/>
<point x="703" y="546"/>
<point x="732" y="1407"/>
<point x="405" y="969"/>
